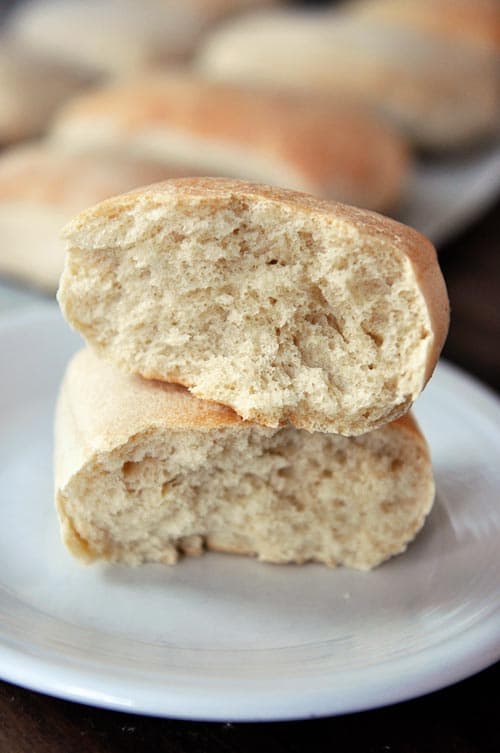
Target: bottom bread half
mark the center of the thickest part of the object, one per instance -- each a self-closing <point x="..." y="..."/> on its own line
<point x="145" y="471"/>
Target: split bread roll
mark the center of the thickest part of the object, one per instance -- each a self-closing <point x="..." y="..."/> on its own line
<point x="31" y="89"/>
<point x="41" y="188"/>
<point x="298" y="141"/>
<point x="474" y="22"/>
<point x="282" y="306"/>
<point x="145" y="471"/>
<point x="440" y="94"/>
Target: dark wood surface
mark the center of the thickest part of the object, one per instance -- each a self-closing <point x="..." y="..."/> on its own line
<point x="461" y="719"/>
<point x="464" y="718"/>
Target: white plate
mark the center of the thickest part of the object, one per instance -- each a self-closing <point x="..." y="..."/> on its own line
<point x="446" y="194"/>
<point x="223" y="637"/>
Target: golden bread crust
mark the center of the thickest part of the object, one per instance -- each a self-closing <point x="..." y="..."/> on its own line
<point x="105" y="408"/>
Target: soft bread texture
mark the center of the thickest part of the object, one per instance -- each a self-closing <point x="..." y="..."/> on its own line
<point x="282" y="306"/>
<point x="145" y="471"/>
<point x="442" y="95"/>
<point x="299" y="141"/>
<point x="109" y="37"/>
<point x="31" y="89"/>
<point x="475" y="22"/>
<point x="41" y="188"/>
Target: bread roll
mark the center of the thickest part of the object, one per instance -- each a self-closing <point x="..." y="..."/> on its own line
<point x="41" y="188"/>
<point x="216" y="10"/>
<point x="328" y="149"/>
<point x="109" y="37"/>
<point x="145" y="471"/>
<point x="475" y="22"/>
<point x="31" y="88"/>
<point x="282" y="306"/>
<point x="442" y="95"/>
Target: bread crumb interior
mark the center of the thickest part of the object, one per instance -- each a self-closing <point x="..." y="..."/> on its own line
<point x="283" y="495"/>
<point x="270" y="313"/>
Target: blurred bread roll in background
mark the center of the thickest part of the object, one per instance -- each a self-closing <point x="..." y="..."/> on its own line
<point x="442" y="95"/>
<point x="218" y="10"/>
<point x="41" y="188"/>
<point x="31" y="87"/>
<point x="145" y="471"/>
<point x="475" y="22"/>
<point x="294" y="140"/>
<point x="107" y="36"/>
<point x="116" y="36"/>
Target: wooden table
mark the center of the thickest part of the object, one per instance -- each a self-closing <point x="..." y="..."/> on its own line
<point x="460" y="719"/>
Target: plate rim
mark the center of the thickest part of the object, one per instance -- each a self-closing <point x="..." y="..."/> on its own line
<point x="259" y="705"/>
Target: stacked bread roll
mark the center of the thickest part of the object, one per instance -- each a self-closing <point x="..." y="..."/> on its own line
<point x="252" y="355"/>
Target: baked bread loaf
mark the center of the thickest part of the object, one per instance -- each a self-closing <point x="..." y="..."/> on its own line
<point x="440" y="94"/>
<point x="145" y="471"/>
<point x="41" y="188"/>
<point x="31" y="89"/>
<point x="475" y="22"/>
<point x="280" y="305"/>
<point x="298" y="141"/>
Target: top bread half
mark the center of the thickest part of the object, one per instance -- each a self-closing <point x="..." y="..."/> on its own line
<point x="282" y="306"/>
